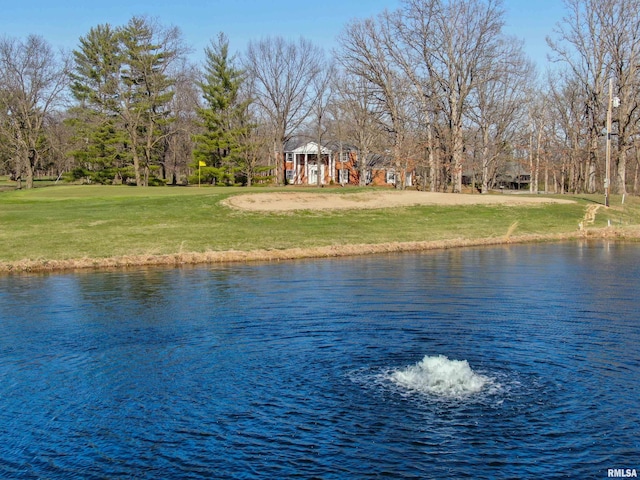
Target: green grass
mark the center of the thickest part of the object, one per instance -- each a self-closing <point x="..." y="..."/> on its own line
<point x="73" y="222"/>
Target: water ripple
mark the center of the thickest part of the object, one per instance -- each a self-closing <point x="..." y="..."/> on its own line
<point x="283" y="370"/>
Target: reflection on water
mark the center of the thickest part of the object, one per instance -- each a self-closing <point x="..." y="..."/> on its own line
<point x="508" y="362"/>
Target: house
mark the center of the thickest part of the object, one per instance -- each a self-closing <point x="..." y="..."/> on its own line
<point x="339" y="164"/>
<point x="381" y="171"/>
<point x="513" y="176"/>
<point x="302" y="165"/>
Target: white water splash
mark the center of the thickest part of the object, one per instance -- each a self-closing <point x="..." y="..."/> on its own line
<point x="440" y="376"/>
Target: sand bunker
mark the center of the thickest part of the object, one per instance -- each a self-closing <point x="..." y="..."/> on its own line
<point x="289" y="201"/>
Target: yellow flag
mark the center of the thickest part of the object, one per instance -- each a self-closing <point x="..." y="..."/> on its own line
<point x="202" y="164"/>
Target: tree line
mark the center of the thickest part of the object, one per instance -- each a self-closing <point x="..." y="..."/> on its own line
<point x="435" y="86"/>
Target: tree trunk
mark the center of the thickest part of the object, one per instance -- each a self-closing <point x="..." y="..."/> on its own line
<point x="485" y="161"/>
<point x="30" y="162"/>
<point x="136" y="168"/>
<point x="531" y="162"/>
<point x="281" y="161"/>
<point x="319" y="164"/>
<point x="591" y="175"/>
<point x="458" y="151"/>
<point x="397" y="155"/>
<point x="635" y="178"/>
<point x="433" y="165"/>
<point x="362" y="167"/>
<point x="546" y="177"/>
<point x="621" y="177"/>
<point x="590" y="180"/>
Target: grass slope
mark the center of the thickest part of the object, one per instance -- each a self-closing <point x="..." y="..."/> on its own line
<point x="68" y="223"/>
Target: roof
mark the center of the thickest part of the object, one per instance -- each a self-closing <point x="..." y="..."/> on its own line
<point x="311" y="148"/>
<point x="375" y="160"/>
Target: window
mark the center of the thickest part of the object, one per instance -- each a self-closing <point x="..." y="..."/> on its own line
<point x="391" y="176"/>
<point x="290" y="174"/>
<point x="344" y="175"/>
<point x="289" y="157"/>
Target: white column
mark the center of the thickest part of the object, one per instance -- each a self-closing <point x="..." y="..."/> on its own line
<point x="332" y="170"/>
<point x="295" y="168"/>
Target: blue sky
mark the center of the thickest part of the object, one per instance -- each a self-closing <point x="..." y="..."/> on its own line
<point x="61" y="23"/>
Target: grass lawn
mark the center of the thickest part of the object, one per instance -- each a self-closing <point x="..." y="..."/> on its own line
<point x="73" y="222"/>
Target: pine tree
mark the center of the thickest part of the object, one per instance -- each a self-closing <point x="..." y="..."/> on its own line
<point x="123" y="88"/>
<point x="224" y="118"/>
<point x="95" y="83"/>
<point x="147" y="89"/>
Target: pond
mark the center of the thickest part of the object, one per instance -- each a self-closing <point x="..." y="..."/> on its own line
<point x="506" y="362"/>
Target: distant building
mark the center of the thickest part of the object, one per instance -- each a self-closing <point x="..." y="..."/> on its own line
<point x="303" y="165"/>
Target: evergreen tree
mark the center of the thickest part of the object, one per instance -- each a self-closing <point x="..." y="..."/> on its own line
<point x="99" y="137"/>
<point x="146" y="89"/>
<point x="123" y="86"/>
<point x="224" y="118"/>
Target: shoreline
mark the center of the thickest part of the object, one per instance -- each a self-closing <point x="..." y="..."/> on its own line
<point x="270" y="255"/>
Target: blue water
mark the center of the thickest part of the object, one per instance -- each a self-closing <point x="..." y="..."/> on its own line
<point x="293" y="369"/>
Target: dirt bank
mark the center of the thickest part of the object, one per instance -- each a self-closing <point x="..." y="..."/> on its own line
<point x="212" y="257"/>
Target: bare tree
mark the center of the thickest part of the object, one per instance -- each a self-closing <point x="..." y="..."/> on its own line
<point x="283" y="72"/>
<point x="322" y="88"/>
<point x="599" y="40"/>
<point x="459" y="42"/>
<point x="257" y="143"/>
<point x="570" y="129"/>
<point x="257" y="140"/>
<point x="409" y="46"/>
<point x="360" y="118"/>
<point x="178" y="139"/>
<point x="365" y="47"/>
<point x="579" y="47"/>
<point x="32" y="79"/>
<point x="621" y="20"/>
<point x="59" y="139"/>
<point x="498" y="105"/>
<point x="425" y="61"/>
<point x="538" y="113"/>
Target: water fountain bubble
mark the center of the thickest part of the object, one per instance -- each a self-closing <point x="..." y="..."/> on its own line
<point x="438" y="375"/>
